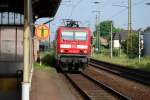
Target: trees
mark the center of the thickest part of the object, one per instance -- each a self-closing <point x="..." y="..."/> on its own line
<point x="132" y="49"/>
<point x="105" y="33"/>
<point x="104" y="29"/>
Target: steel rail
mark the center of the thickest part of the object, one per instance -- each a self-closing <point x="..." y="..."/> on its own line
<point x="83" y="94"/>
<point x="106" y="87"/>
<point x="129" y="73"/>
<point x="99" y="84"/>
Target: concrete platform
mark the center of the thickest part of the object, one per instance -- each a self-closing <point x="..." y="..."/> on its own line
<point x="48" y="86"/>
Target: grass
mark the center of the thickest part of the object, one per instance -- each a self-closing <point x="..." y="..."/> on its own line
<point x="47" y="61"/>
<point x="42" y="67"/>
<point x="124" y="60"/>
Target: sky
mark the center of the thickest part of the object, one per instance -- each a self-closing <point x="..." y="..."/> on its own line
<point x="84" y="11"/>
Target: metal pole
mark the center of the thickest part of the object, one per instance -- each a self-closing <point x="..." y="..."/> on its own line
<point x="8" y="17"/>
<point x="99" y="32"/>
<point x="129" y="27"/>
<point x="14" y="18"/>
<point x="130" y="24"/>
<point x="16" y="41"/>
<point x="1" y="17"/>
<point x="20" y="19"/>
<point x="139" y="46"/>
<point x="96" y="34"/>
<point x="0" y="41"/>
<point x="49" y="36"/>
<point x="26" y="37"/>
<point x="26" y="41"/>
<point x="111" y="54"/>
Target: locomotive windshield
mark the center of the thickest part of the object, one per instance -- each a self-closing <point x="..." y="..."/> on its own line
<point x="69" y="35"/>
<point x="80" y="36"/>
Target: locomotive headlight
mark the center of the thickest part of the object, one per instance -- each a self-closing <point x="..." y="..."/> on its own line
<point x="85" y="51"/>
<point x="82" y="46"/>
<point x="61" y="51"/>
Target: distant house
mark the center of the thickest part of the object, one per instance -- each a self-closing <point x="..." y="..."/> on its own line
<point x="116" y="41"/>
<point x="123" y="36"/>
<point x="103" y="41"/>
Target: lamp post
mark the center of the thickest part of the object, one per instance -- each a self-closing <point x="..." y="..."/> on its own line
<point x="111" y="54"/>
<point x="97" y="31"/>
<point x="97" y="27"/>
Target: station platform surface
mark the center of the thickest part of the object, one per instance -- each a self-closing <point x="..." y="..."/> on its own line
<point x="48" y="86"/>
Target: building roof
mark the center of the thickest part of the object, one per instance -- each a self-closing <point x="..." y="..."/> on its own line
<point x="147" y="30"/>
<point x="103" y="41"/>
<point x="123" y="35"/>
<point x="116" y="36"/>
<point x="41" y="8"/>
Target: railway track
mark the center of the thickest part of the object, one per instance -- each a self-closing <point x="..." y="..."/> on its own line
<point x="129" y="73"/>
<point x="91" y="89"/>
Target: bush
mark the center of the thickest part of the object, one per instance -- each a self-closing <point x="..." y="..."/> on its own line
<point x="48" y="58"/>
<point x="115" y="52"/>
<point x="133" y="46"/>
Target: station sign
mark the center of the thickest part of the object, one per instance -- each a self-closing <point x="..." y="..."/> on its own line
<point x="42" y="32"/>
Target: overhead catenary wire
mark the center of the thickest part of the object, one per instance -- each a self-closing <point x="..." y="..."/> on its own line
<point x="74" y="7"/>
<point x="123" y="10"/>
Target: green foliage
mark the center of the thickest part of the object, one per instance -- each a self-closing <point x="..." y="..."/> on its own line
<point x="48" y="58"/>
<point x="41" y="67"/>
<point x="105" y="51"/>
<point x="124" y="60"/>
<point x="115" y="52"/>
<point x="105" y="29"/>
<point x="117" y="30"/>
<point x="132" y="44"/>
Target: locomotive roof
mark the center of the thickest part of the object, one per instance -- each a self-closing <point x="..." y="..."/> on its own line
<point x="64" y="27"/>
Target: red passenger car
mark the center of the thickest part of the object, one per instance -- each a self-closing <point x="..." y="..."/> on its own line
<point x="72" y="46"/>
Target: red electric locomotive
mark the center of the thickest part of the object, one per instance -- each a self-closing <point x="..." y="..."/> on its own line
<point x="72" y="46"/>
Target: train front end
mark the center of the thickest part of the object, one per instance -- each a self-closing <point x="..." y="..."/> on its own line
<point x="73" y="48"/>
